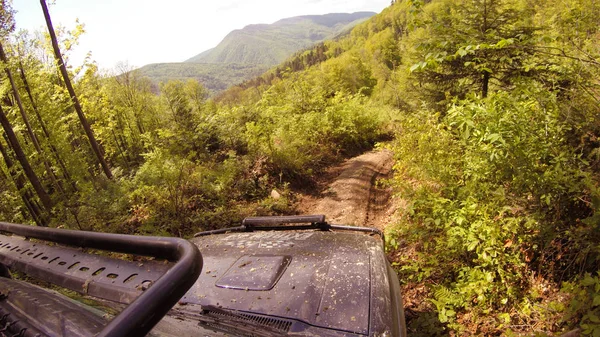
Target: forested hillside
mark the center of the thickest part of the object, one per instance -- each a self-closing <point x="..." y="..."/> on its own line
<point x="215" y="77"/>
<point x="270" y="44"/>
<point x="246" y="53"/>
<point x="493" y="108"/>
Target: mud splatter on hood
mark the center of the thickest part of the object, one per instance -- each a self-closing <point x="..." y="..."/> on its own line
<point x="320" y="278"/>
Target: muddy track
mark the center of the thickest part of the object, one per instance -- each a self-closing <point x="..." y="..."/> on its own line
<point x="352" y="194"/>
<point x="379" y="208"/>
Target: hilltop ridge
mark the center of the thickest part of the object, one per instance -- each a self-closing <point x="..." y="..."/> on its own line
<point x="271" y="44"/>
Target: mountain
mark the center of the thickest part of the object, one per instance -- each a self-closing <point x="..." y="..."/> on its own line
<point x="272" y="44"/>
<point x="246" y="53"/>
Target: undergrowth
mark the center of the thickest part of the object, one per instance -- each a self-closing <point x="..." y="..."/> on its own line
<point x="499" y="206"/>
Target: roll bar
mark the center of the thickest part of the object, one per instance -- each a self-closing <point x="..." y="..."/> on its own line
<point x="140" y="316"/>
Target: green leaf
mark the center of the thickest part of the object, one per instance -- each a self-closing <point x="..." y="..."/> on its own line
<point x="472" y="245"/>
<point x="504" y="42"/>
<point x="588" y="280"/>
<point x="505" y="316"/>
<point x="596" y="300"/>
<point x="593" y="318"/>
<point x="493" y="137"/>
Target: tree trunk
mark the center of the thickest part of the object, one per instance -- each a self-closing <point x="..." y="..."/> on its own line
<point x="30" y="132"/>
<point x="65" y="75"/>
<point x="61" y="162"/>
<point x="18" y="100"/>
<point x="485" y="84"/>
<point x="19" y="182"/>
<point x="22" y="158"/>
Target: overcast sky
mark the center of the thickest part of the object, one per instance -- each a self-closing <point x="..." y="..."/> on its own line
<point x="150" y="31"/>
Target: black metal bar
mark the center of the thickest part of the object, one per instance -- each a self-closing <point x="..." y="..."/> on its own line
<point x="270" y="223"/>
<point x="141" y="315"/>
<point x="277" y="220"/>
<point x="360" y="229"/>
<point x="222" y="230"/>
<point x="321" y="226"/>
<point x="72" y="268"/>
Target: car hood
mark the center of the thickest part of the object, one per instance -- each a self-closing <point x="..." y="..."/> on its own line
<point x="320" y="278"/>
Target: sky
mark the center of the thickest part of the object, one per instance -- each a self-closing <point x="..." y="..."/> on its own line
<point x="140" y="32"/>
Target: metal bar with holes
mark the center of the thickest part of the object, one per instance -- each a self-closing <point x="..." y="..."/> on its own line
<point x="118" y="277"/>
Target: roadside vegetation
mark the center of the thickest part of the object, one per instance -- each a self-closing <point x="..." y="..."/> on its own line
<point x="493" y="107"/>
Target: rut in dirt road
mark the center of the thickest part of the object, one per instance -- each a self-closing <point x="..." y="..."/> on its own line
<point x="354" y="197"/>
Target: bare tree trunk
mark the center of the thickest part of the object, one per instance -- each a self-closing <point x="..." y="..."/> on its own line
<point x="65" y="75"/>
<point x="485" y="84"/>
<point x="29" y="172"/>
<point x="22" y="190"/>
<point x="121" y="151"/>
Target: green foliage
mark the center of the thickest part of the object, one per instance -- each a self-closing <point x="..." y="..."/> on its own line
<point x="494" y="105"/>
<point x="12" y="207"/>
<point x="300" y="129"/>
<point x="7" y="21"/>
<point x="462" y="47"/>
<point x="215" y="77"/>
<point x="349" y="73"/>
<point x="497" y="180"/>
<point x="585" y="303"/>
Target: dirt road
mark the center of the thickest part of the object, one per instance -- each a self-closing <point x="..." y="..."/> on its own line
<point x="352" y="194"/>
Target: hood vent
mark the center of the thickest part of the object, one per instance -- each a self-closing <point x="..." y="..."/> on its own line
<point x="254" y="272"/>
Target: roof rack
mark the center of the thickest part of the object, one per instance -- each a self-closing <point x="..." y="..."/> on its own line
<point x="156" y="290"/>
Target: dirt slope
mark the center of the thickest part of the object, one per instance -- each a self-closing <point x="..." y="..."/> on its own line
<point x="350" y="193"/>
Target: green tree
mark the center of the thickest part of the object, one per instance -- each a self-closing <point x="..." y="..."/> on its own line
<point x="34" y="106"/>
<point x="464" y="46"/>
<point x="65" y="75"/>
<point x="7" y="21"/>
<point x="22" y="158"/>
<point x="32" y="136"/>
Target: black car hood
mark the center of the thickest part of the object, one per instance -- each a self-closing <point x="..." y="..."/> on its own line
<point x="320" y="278"/>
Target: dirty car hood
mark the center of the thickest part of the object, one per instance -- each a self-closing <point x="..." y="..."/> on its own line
<point x="320" y="278"/>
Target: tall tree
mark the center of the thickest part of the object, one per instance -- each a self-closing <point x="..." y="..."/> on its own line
<point x="30" y="131"/>
<point x="7" y="25"/>
<point x="41" y="122"/>
<point x="65" y="75"/>
<point x="465" y="45"/>
<point x="22" y="158"/>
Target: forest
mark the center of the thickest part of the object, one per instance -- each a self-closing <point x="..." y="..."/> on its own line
<point x="215" y="77"/>
<point x="491" y="107"/>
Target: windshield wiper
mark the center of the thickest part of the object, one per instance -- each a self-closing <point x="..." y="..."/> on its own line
<point x="236" y="322"/>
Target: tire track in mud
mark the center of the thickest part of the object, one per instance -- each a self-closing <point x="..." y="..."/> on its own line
<point x="355" y="197"/>
<point x="379" y="204"/>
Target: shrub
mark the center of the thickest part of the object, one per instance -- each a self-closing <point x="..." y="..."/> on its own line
<point x="491" y="186"/>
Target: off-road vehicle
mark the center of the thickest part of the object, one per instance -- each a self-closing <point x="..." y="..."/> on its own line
<point x="271" y="276"/>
